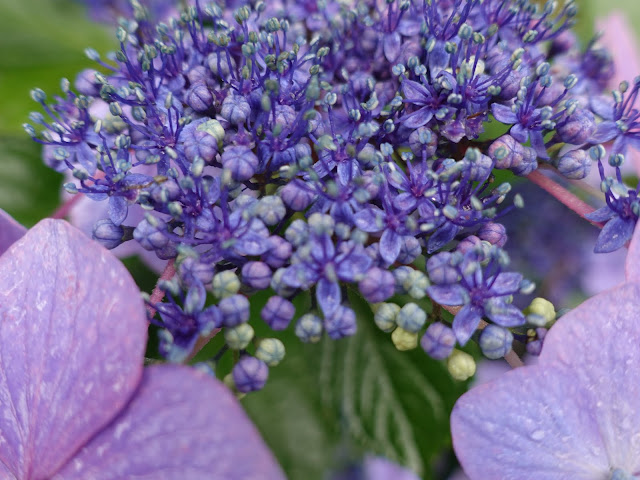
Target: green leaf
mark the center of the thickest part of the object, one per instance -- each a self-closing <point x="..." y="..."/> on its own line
<point x="42" y="42"/>
<point x="357" y="395"/>
<point x="29" y="190"/>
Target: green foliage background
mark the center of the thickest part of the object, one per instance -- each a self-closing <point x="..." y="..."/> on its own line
<point x="325" y="404"/>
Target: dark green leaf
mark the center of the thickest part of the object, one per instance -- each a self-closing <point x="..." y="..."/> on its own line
<point x="41" y="42"/>
<point x="29" y="190"/>
<point x="356" y="395"/>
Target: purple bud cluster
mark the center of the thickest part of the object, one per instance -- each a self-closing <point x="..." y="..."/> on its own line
<point x="289" y="147"/>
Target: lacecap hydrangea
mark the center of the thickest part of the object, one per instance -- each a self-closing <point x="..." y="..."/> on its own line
<point x="337" y="148"/>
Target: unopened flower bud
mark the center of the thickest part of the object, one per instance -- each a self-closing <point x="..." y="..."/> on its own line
<point x="239" y="337"/>
<point x="256" y="275"/>
<point x="575" y="164"/>
<point x="234" y="309"/>
<point x="249" y="374"/>
<point x="271" y="351"/>
<point x="495" y="341"/>
<point x="461" y="365"/>
<point x="543" y="308"/>
<point x="341" y="323"/>
<point x="578" y="127"/>
<point x="278" y="312"/>
<point x="411" y="318"/>
<point x="404" y="340"/>
<point x="309" y="328"/>
<point x="241" y="162"/>
<point x="440" y="270"/>
<point x="438" y="341"/>
<point x="377" y="285"/>
<point x="225" y="284"/>
<point x="108" y="234"/>
<point x="507" y="152"/>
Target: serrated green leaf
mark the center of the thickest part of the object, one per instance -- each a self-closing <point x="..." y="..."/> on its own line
<point x="354" y="395"/>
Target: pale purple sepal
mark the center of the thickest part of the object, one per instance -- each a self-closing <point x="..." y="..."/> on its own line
<point x="10" y="231"/>
<point x="71" y="340"/>
<point x="574" y="415"/>
<point x="529" y="424"/>
<point x="180" y="424"/>
<point x="379" y="468"/>
<point x="632" y="265"/>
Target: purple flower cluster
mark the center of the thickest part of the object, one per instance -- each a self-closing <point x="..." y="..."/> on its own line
<point x="287" y="147"/>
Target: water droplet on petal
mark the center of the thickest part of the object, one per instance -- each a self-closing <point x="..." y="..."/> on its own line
<point x="537" y="435"/>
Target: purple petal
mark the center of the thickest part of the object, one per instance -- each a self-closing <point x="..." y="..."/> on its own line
<point x="409" y="26"/>
<point x="379" y="468"/>
<point x="352" y="266"/>
<point x="614" y="234"/>
<point x="466" y="322"/>
<point x="117" y="209"/>
<point x="537" y="143"/>
<point x="602" y="106"/>
<point x="390" y="244"/>
<point x="504" y="314"/>
<point x="442" y="236"/>
<point x="605" y="132"/>
<point x="10" y="231"/>
<point x="506" y="283"/>
<point x="504" y="114"/>
<point x="601" y="215"/>
<point x="298" y="275"/>
<point x="418" y="118"/>
<point x="405" y="202"/>
<point x="620" y="145"/>
<point x="391" y="46"/>
<point x="415" y="92"/>
<point x="520" y="133"/>
<point x="180" y="424"/>
<point x="633" y="141"/>
<point x="369" y="219"/>
<point x="452" y="295"/>
<point x="328" y="295"/>
<point x="347" y="171"/>
<point x="529" y="424"/>
<point x="72" y="335"/>
<point x="605" y="359"/>
<point x="632" y="265"/>
<point x="86" y="157"/>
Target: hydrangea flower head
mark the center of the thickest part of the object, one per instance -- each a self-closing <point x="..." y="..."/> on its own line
<point x="75" y="401"/>
<point x="573" y="415"/>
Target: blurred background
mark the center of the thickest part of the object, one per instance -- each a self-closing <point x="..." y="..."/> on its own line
<point x="42" y="41"/>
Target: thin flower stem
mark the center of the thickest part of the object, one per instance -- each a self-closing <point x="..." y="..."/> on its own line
<point x="63" y="210"/>
<point x="563" y="195"/>
<point x="158" y="294"/>
<point x="511" y="357"/>
<point x="200" y="343"/>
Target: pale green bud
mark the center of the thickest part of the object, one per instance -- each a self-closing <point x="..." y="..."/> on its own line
<point x="461" y="365"/>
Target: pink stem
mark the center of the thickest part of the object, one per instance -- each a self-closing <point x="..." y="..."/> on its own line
<point x="511" y="357"/>
<point x="158" y="294"/>
<point x="200" y="343"/>
<point x="64" y="209"/>
<point x="563" y="196"/>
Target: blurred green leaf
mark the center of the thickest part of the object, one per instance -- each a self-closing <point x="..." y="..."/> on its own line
<point x="355" y="395"/>
<point x="41" y="42"/>
<point x="29" y="190"/>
